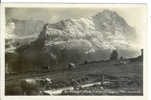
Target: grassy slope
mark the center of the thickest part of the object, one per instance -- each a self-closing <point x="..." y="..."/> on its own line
<point x="132" y="70"/>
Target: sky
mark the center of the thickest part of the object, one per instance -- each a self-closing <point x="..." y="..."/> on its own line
<point x="135" y="15"/>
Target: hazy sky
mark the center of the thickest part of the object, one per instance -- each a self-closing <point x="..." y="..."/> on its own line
<point x="134" y="15"/>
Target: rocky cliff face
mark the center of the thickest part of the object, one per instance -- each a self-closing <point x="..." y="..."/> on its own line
<point x="103" y="32"/>
<point x="110" y="21"/>
<point x="75" y="40"/>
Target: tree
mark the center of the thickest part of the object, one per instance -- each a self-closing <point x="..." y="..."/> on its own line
<point x="121" y="58"/>
<point x="114" y="55"/>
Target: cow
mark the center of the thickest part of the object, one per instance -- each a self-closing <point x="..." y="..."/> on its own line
<point x="124" y="62"/>
<point x="46" y="68"/>
<point x="71" y="66"/>
<point x="48" y="83"/>
<point x="76" y="85"/>
<point x="30" y="87"/>
<point x="34" y="86"/>
<point x="86" y="62"/>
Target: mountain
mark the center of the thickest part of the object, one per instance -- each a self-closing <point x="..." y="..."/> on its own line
<point x="110" y="21"/>
<point x="104" y="31"/>
<point x="20" y="32"/>
<point x="75" y="40"/>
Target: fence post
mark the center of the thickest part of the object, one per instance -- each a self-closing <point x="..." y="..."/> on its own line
<point x="102" y="79"/>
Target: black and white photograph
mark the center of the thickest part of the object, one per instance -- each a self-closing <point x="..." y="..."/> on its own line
<point x="75" y="50"/>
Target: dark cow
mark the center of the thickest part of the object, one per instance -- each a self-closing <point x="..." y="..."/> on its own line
<point x="34" y="86"/>
<point x="71" y="66"/>
<point x="86" y="62"/>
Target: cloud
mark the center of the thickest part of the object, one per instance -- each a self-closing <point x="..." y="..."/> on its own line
<point x="10" y="27"/>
